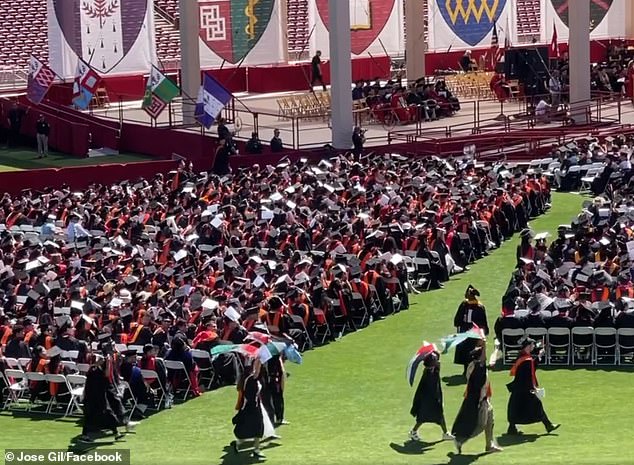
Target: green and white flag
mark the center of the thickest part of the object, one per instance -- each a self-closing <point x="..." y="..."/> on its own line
<point x="159" y="92"/>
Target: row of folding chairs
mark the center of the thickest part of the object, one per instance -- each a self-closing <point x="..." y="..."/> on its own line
<point x="309" y="104"/>
<point x="582" y="345"/>
<point x="17" y="384"/>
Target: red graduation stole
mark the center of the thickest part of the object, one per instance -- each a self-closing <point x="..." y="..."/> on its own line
<point x="519" y="361"/>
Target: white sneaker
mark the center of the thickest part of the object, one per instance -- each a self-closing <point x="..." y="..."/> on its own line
<point x="494" y="448"/>
<point x="448" y="437"/>
<point x="130" y="426"/>
<point x="413" y="435"/>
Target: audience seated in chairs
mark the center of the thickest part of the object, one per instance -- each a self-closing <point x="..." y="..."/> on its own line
<point x="582" y="281"/>
<point x="192" y="261"/>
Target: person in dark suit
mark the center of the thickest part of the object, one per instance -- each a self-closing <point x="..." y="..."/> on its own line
<point x="316" y="75"/>
<point x="254" y="146"/>
<point x="16" y="347"/>
<point x="276" y="142"/>
<point x="534" y="319"/>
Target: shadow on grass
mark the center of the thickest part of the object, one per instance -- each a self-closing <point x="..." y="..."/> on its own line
<point x="464" y="459"/>
<point x="413" y="447"/>
<point x="454" y="380"/>
<point x="509" y="440"/>
<point x="100" y="439"/>
<point x="620" y="368"/>
<point x="244" y="457"/>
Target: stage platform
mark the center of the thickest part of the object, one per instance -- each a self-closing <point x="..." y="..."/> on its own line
<point x="261" y="113"/>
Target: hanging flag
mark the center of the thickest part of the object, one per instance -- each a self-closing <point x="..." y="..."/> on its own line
<point x="212" y="98"/>
<point x="496" y="52"/>
<point x="84" y="85"/>
<point x="507" y="35"/>
<point x="420" y="355"/>
<point x="451" y="341"/>
<point x="40" y="79"/>
<point x="553" y="52"/>
<point x="159" y="92"/>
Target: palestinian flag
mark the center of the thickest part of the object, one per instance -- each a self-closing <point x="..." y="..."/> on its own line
<point x="449" y="342"/>
<point x="420" y="355"/>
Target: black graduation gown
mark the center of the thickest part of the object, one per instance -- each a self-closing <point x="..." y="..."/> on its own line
<point x="249" y="422"/>
<point x="467" y="420"/>
<point x="272" y="390"/>
<point x="468" y="314"/>
<point x="427" y="405"/>
<point x="524" y="407"/>
<point x="98" y="414"/>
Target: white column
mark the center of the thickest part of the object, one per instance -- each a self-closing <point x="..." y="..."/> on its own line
<point x="340" y="73"/>
<point x="190" y="57"/>
<point x="629" y="20"/>
<point x="415" y="39"/>
<point x="579" y="40"/>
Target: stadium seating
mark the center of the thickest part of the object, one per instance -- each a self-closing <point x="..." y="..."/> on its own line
<point x="22" y="35"/>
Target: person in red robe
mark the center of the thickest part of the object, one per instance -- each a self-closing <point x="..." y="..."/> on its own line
<point x="499" y="87"/>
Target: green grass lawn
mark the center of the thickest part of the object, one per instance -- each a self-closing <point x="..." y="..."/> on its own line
<point x="349" y="402"/>
<point x="25" y="158"/>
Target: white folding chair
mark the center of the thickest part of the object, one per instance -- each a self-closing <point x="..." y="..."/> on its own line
<point x="625" y="340"/>
<point x="82" y="367"/>
<point x="152" y="376"/>
<point x="511" y="344"/>
<point x="13" y="363"/>
<point x="70" y="354"/>
<point x="126" y="389"/>
<point x="521" y="313"/>
<point x="204" y="368"/>
<point x="34" y="376"/>
<point x="422" y="273"/>
<point x="539" y="334"/>
<point x="61" y="382"/>
<point x="179" y="366"/>
<point x="69" y="365"/>
<point x="139" y="349"/>
<point x="76" y="384"/>
<point x="605" y="346"/>
<point x="298" y="323"/>
<point x="24" y="363"/>
<point x="18" y="387"/>
<point x="558" y="352"/>
<point x="121" y="347"/>
<point x="582" y="338"/>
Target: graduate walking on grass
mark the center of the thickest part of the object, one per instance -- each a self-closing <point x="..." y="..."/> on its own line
<point x="251" y="421"/>
<point x="525" y="405"/>
<point x="476" y="413"/>
<point x="470" y="312"/>
<point x="427" y="406"/>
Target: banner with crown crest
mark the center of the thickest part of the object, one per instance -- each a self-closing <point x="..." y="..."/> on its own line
<point x="465" y="24"/>
<point x="241" y="31"/>
<point x="114" y="36"/>
<point x="607" y="18"/>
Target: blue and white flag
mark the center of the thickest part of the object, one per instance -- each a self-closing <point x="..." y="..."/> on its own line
<point x="85" y="85"/>
<point x="212" y="98"/>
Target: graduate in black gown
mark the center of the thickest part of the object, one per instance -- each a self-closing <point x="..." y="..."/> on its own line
<point x="470" y="312"/>
<point x="249" y="420"/>
<point x="476" y="413"/>
<point x="427" y="406"/>
<point x="273" y="389"/>
<point x="98" y="414"/>
<point x="525" y="407"/>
